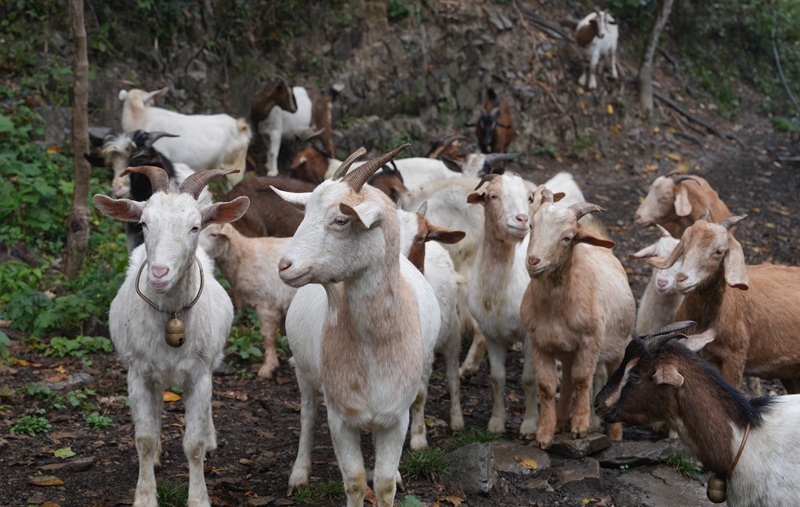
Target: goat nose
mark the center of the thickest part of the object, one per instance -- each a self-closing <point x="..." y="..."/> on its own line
<point x="522" y="218"/>
<point x="284" y="265"/>
<point x="662" y="283"/>
<point x="160" y="271"/>
<point x="681" y="277"/>
<point x="533" y="260"/>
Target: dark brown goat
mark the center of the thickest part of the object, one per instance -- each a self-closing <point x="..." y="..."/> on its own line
<point x="274" y="94"/>
<point x="390" y="182"/>
<point x="310" y="164"/>
<point x="448" y="147"/>
<point x="495" y="128"/>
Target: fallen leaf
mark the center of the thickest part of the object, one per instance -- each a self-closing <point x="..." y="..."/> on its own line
<point x="756" y="210"/>
<point x="650" y="168"/>
<point x="56" y="378"/>
<point x="674" y="157"/>
<point x="282" y="380"/>
<point x="453" y="500"/>
<point x="61" y="369"/>
<point x="370" y="497"/>
<point x="549" y="54"/>
<point x="51" y="150"/>
<point x="616" y="130"/>
<point x="45" y="480"/>
<point x="598" y="156"/>
<point x="769" y="225"/>
<point x="656" y="130"/>
<point x="657" y="155"/>
<point x="583" y="105"/>
<point x="49" y="504"/>
<point x="609" y="109"/>
<point x="284" y="501"/>
<point x="581" y="91"/>
<point x="169" y="396"/>
<point x="682" y="167"/>
<point x="529" y="463"/>
<point x="64" y="452"/>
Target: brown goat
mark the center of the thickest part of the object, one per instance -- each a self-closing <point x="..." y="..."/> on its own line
<point x="448" y="147"/>
<point x="756" y="309"/>
<point x="311" y="164"/>
<point x="274" y="94"/>
<point x="676" y="201"/>
<point x="495" y="128"/>
<point x="390" y="182"/>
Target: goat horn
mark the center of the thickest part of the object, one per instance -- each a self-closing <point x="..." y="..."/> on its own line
<point x="196" y="182"/>
<point x="310" y="134"/>
<point x="360" y="175"/>
<point x="652" y="344"/>
<point x="705" y="214"/>
<point x="584" y="208"/>
<point x="486" y="177"/>
<point x="683" y="177"/>
<point x="675" y="326"/>
<point x="152" y="137"/>
<point x="423" y="208"/>
<point x="342" y="170"/>
<point x="497" y="157"/>
<point x="664" y="233"/>
<point x="451" y="138"/>
<point x="731" y="221"/>
<point x="159" y="180"/>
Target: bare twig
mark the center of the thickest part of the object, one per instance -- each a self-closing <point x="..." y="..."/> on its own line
<point x="544" y="25"/>
<point x="687" y="114"/>
<point x="693" y="138"/>
<point x="549" y="92"/>
<point x="674" y="63"/>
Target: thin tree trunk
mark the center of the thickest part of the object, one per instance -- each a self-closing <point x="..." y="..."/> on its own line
<point x="646" y="67"/>
<point x="78" y="221"/>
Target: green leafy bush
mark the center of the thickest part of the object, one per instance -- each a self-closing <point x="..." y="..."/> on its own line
<point x="244" y="341"/>
<point x="96" y="421"/>
<point x="78" y="347"/>
<point x="429" y="464"/>
<point x="31" y="425"/>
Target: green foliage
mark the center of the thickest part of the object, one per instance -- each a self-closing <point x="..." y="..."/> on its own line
<point x="78" y="347"/>
<point x="96" y="421"/>
<point x="4" y="343"/>
<point x="397" y="10"/>
<point x="548" y="149"/>
<point x="409" y="501"/>
<point x="170" y="494"/>
<point x="786" y="126"/>
<point x="685" y="465"/>
<point x="78" y="399"/>
<point x="473" y="434"/>
<point x="244" y="341"/>
<point x="31" y="425"/>
<point x="312" y="493"/>
<point x="429" y="464"/>
<point x="37" y="391"/>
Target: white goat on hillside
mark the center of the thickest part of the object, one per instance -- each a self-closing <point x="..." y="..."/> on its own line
<point x="366" y="335"/>
<point x="175" y="286"/>
<point x="597" y="35"/>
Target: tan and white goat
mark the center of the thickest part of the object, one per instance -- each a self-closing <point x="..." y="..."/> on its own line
<point x="362" y="327"/>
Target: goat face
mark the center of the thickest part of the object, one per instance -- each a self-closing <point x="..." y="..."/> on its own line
<point x="660" y="204"/>
<point x="505" y="199"/>
<point x="665" y="278"/>
<point x="214" y="240"/>
<point x="485" y="127"/>
<point x="340" y="235"/>
<point x="706" y="249"/>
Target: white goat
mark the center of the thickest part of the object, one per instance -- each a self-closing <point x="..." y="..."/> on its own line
<point x="366" y="335"/>
<point x="205" y="142"/>
<point x="661" y="299"/>
<point x="435" y="263"/>
<point x="251" y="267"/>
<point x="176" y="287"/>
<point x="664" y="380"/>
<point x="597" y="35"/>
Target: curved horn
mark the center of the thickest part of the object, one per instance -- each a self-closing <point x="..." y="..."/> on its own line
<point x="159" y="179"/>
<point x="423" y="208"/>
<point x="675" y="326"/>
<point x="498" y="157"/>
<point x="310" y="134"/>
<point x="584" y="208"/>
<point x="705" y="214"/>
<point x="196" y="182"/>
<point x="653" y="343"/>
<point x="683" y="177"/>
<point x="342" y="170"/>
<point x="731" y="221"/>
<point x="486" y="177"/>
<point x="451" y="138"/>
<point x="359" y="176"/>
<point x="671" y="174"/>
<point x="152" y="137"/>
<point x="664" y="233"/>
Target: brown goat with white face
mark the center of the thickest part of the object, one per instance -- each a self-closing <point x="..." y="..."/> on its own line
<point x="677" y="201"/>
<point x="578" y="308"/>
<point x="756" y="309"/>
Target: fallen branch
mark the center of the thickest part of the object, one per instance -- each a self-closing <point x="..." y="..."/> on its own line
<point x="693" y="138"/>
<point x="674" y="63"/>
<point x="544" y="25"/>
<point x="674" y="105"/>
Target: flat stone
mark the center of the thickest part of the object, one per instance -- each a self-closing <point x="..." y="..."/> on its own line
<point x="78" y="465"/>
<point x="536" y="485"/>
<point x="564" y="445"/>
<point x="73" y="381"/>
<point x="258" y="502"/>
<point x="664" y="486"/>
<point x="473" y="467"/>
<point x="636" y="454"/>
<point x="519" y="460"/>
<point x="580" y="477"/>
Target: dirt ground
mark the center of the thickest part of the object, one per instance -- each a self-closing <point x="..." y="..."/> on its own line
<point x="258" y="421"/>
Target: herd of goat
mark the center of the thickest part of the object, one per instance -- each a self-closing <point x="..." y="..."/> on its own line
<point x="374" y="267"/>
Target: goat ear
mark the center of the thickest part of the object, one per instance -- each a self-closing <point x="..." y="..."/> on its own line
<point x="682" y="205"/>
<point x="121" y="209"/>
<point x="224" y="212"/>
<point x="453" y="165"/>
<point x="667" y="374"/>
<point x="95" y="161"/>
<point x="735" y="269"/>
<point x="644" y="253"/>
<point x="368" y="212"/>
<point x="588" y="236"/>
<point x="123" y="94"/>
<point x="696" y="342"/>
<point x="298" y="200"/>
<point x="151" y="96"/>
<point x="444" y="235"/>
<point x="669" y="260"/>
<point x="476" y="197"/>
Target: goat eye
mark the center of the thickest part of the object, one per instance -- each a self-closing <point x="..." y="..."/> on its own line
<point x="421" y="239"/>
<point x="530" y="198"/>
<point x="634" y="377"/>
<point x="566" y="239"/>
<point x="144" y="225"/>
<point x="493" y="196"/>
<point x="718" y="252"/>
<point x="341" y="220"/>
<point x="195" y="229"/>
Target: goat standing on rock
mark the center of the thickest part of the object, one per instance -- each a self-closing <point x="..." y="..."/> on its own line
<point x="597" y="35"/>
<point x="179" y="282"/>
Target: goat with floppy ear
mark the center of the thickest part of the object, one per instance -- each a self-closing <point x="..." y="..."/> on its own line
<point x="754" y="308"/>
<point x="495" y="127"/>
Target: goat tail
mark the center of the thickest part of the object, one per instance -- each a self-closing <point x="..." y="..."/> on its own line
<point x="243" y="127"/>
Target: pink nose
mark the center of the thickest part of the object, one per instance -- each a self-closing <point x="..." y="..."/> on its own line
<point x="637" y="217"/>
<point x="160" y="271"/>
<point x="522" y="218"/>
<point x="533" y="260"/>
<point x="284" y="265"/>
<point x="681" y="277"/>
<point x="662" y="283"/>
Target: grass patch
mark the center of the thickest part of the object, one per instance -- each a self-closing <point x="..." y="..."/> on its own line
<point x="473" y="434"/>
<point x="171" y="494"/>
<point x="685" y="465"/>
<point x="313" y="493"/>
<point x="429" y="464"/>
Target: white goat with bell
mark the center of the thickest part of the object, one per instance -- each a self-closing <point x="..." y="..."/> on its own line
<point x="171" y="329"/>
<point x="365" y="335"/>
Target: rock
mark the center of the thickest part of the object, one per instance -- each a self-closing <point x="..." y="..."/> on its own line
<point x="74" y="381"/>
<point x="197" y="70"/>
<point x="57" y="125"/>
<point x="519" y="460"/>
<point x="224" y="369"/>
<point x="664" y="486"/>
<point x="258" y="502"/>
<point x="636" y="454"/>
<point x="536" y="485"/>
<point x="564" y="445"/>
<point x="473" y="467"/>
<point x="580" y="478"/>
<point x="78" y="465"/>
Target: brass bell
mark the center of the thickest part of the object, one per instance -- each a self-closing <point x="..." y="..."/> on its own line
<point x="717" y="489"/>
<point x="176" y="331"/>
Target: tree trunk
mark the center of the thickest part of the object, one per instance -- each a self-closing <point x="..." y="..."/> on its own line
<point x="78" y="221"/>
<point x="646" y="67"/>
